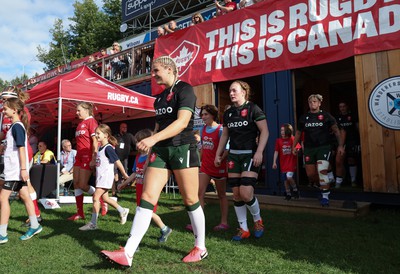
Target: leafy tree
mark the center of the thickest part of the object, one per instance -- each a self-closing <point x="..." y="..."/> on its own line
<point x="59" y="47"/>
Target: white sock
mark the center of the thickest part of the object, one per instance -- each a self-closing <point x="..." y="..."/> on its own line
<point x="326" y="194"/>
<point x="78" y="192"/>
<point x="140" y="225"/>
<point x="34" y="221"/>
<point x="339" y="180"/>
<point x="198" y="222"/>
<point x="91" y="190"/>
<point x="254" y="209"/>
<point x="3" y="230"/>
<point x="241" y="214"/>
<point x="33" y="195"/>
<point x="120" y="209"/>
<point x="95" y="216"/>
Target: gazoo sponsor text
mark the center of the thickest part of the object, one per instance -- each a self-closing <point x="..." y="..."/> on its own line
<point x="112" y="96"/>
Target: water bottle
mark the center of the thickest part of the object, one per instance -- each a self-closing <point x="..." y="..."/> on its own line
<point x="65" y="191"/>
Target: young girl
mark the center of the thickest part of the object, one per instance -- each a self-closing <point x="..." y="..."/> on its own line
<point x="287" y="160"/>
<point x="106" y="158"/>
<point x="16" y="166"/>
<point x="138" y="174"/>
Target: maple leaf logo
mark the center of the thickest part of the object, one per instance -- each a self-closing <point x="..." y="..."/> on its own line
<point x="184" y="55"/>
<point x="183" y="58"/>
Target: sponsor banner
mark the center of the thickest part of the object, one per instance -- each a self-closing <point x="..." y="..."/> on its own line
<point x="279" y="35"/>
<point x="384" y="103"/>
<point x="135" y="8"/>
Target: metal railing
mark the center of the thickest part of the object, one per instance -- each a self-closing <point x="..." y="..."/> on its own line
<point x="131" y="63"/>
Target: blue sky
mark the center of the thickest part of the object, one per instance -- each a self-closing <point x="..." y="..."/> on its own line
<point x="24" y="25"/>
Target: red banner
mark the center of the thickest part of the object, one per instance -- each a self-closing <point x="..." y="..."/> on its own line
<point x="279" y="35"/>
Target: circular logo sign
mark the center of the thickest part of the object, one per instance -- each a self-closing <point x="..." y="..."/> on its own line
<point x="384" y="103"/>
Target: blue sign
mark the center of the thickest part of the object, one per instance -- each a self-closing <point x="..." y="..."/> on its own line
<point x="134" y="8"/>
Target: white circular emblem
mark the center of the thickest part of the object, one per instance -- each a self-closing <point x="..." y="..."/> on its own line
<point x="384" y="103"/>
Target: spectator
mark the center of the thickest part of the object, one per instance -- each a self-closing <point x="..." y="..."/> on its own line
<point x="246" y="3"/>
<point x="222" y="10"/>
<point x="67" y="161"/>
<point x="171" y="27"/>
<point x="317" y="126"/>
<point x="287" y="160"/>
<point x="160" y="31"/>
<point x="244" y="124"/>
<point x="126" y="144"/>
<point x="348" y="124"/>
<point x="44" y="155"/>
<point x="117" y="63"/>
<point x="197" y="18"/>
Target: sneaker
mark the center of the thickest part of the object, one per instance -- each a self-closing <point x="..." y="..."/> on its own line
<point x="189" y="227"/>
<point x="124" y="216"/>
<point x="242" y="234"/>
<point x="118" y="256"/>
<point x="324" y="202"/>
<point x="88" y="226"/>
<point x="296" y="194"/>
<point x="338" y="185"/>
<point x="288" y="197"/>
<point x="195" y="255"/>
<point x="31" y="232"/>
<point x="3" y="239"/>
<point x="353" y="184"/>
<point x="221" y="227"/>
<point x="28" y="222"/>
<point x="76" y="217"/>
<point x="104" y="208"/>
<point x="164" y="235"/>
<point x="258" y="229"/>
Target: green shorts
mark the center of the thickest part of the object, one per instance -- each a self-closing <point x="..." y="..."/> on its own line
<point x="172" y="157"/>
<point x="238" y="163"/>
<point x="313" y="154"/>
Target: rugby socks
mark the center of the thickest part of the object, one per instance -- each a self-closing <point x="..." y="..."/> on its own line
<point x="254" y="209"/>
<point x="35" y="203"/>
<point x="140" y="225"/>
<point x="95" y="216"/>
<point x="241" y="214"/>
<point x="197" y="219"/>
<point x="3" y="230"/>
<point x="325" y="194"/>
<point x="120" y="209"/>
<point x="91" y="190"/>
<point x="339" y="181"/>
<point x="79" y="201"/>
<point x="34" y="222"/>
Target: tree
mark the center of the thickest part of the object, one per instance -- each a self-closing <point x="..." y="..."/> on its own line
<point x="59" y="48"/>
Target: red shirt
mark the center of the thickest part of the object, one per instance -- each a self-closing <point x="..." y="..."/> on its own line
<point x="287" y="161"/>
<point x="83" y="135"/>
<point x="209" y="144"/>
<point x="229" y="5"/>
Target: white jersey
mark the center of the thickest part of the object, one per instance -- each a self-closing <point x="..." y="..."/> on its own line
<point x="104" y="169"/>
<point x="12" y="165"/>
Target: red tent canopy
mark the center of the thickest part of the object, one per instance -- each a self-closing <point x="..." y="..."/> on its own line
<point x="112" y="102"/>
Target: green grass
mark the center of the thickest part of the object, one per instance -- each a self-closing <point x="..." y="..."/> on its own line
<point x="293" y="243"/>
